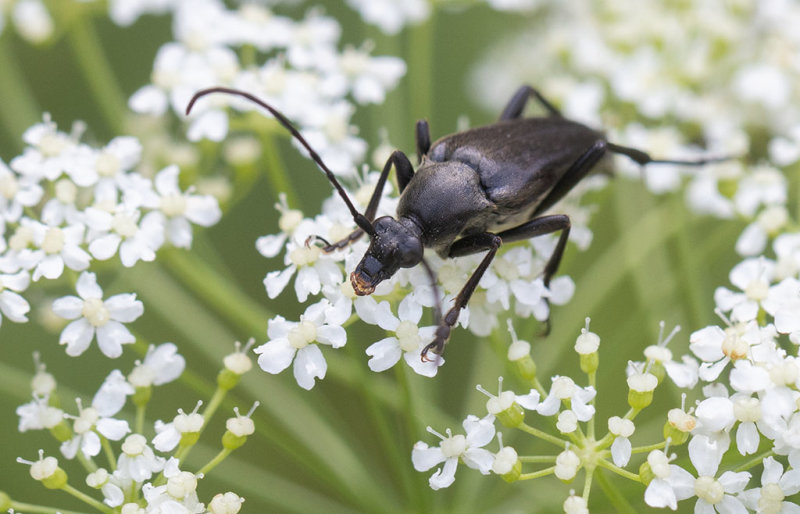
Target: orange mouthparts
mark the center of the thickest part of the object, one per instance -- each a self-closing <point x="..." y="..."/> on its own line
<point x="361" y="286"/>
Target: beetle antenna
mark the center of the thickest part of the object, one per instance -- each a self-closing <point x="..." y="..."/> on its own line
<point x="643" y="158"/>
<point x="359" y="218"/>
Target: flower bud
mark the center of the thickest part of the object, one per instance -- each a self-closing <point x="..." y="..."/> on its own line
<point x="507" y="464"/>
<point x="678" y="426"/>
<point x="575" y="505"/>
<point x="228" y="503"/>
<point x="641" y="387"/>
<point x="567" y="465"/>
<point x="504" y="408"/>
<point x="520" y="354"/>
<point x="587" y="345"/>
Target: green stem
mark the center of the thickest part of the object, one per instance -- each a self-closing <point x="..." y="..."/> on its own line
<point x="649" y="448"/>
<point x="538" y="459"/>
<point x="213" y="462"/>
<point x="97" y="71"/>
<point x="87" y="499"/>
<point x="23" y="111"/>
<point x="537" y="474"/>
<point x="619" y="471"/>
<point x="614" y="495"/>
<point x="87" y="462"/>
<point x="140" y="411"/>
<point x="40" y="509"/>
<point x="587" y="485"/>
<point x="543" y="435"/>
<point x="754" y="461"/>
<point x="112" y="459"/>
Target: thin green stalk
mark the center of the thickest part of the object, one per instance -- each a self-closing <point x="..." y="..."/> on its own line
<point x="649" y="448"/>
<point x="40" y="509"/>
<point x="87" y="462"/>
<point x="754" y="461"/>
<point x="105" y="89"/>
<point x="213" y="462"/>
<point x="112" y="459"/>
<point x="587" y="485"/>
<point x="140" y="417"/>
<point x="537" y="474"/>
<point x="538" y="459"/>
<point x="23" y="111"/>
<point x="543" y="435"/>
<point x="87" y="499"/>
<point x="614" y="495"/>
<point x="619" y="471"/>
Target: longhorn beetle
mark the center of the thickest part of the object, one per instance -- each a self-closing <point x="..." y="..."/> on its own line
<point x="471" y="192"/>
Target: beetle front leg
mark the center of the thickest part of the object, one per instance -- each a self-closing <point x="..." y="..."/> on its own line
<point x="467" y="245"/>
<point x="517" y="103"/>
<point x="404" y="173"/>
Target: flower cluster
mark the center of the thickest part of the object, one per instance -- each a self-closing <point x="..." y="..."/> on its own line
<point x="145" y="474"/>
<point x="65" y="205"/>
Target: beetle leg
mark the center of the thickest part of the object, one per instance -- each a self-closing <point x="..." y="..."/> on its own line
<point x="576" y="172"/>
<point x="404" y="173"/>
<point x="423" y="136"/>
<point x="464" y="246"/>
<point x="517" y="103"/>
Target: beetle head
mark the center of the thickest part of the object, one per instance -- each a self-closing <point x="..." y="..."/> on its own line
<point x="395" y="244"/>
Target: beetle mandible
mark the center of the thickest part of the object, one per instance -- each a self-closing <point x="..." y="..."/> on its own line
<point x="471" y="192"/>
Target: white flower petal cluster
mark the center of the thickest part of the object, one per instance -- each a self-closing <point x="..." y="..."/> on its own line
<point x="64" y="204"/>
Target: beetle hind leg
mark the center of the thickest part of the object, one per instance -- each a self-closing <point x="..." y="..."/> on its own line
<point x="520" y="99"/>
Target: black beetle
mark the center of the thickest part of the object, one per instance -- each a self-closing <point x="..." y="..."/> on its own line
<point x="471" y="192"/>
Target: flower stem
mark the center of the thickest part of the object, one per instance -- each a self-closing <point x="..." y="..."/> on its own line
<point x="86" y="499"/>
<point x="537" y="474"/>
<point x="542" y="435"/>
<point x="754" y="461"/>
<point x="93" y="62"/>
<point x="140" y="410"/>
<point x="649" y="448"/>
<point x="40" y="509"/>
<point x="112" y="459"/>
<point x="614" y="495"/>
<point x="619" y="471"/>
<point x="213" y="462"/>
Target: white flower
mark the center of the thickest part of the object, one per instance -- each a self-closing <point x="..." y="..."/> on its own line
<point x="86" y="427"/>
<point x="621" y="447"/>
<point x="16" y="193"/>
<point x="135" y="238"/>
<point x="408" y="339"/>
<point x="111" y="396"/>
<point x="137" y="461"/>
<point x="92" y="315"/>
<point x="38" y="415"/>
<point x="12" y="305"/>
<point x="713" y="494"/>
<point x="294" y="341"/>
<point x="752" y="277"/>
<point x="58" y="247"/>
<point x="161" y="365"/>
<point x="314" y="269"/>
<point x="479" y="432"/>
<point x="179" y="209"/>
<point x="564" y="388"/>
<point x="775" y="486"/>
<point x="178" y="495"/>
<point x="49" y="154"/>
<point x="391" y="16"/>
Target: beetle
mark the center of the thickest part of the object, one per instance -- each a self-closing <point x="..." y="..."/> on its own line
<point x="471" y="192"/>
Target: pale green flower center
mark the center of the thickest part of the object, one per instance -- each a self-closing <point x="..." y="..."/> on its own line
<point x="21" y="239"/>
<point x="66" y="191"/>
<point x="95" y="312"/>
<point x="52" y="144"/>
<point x="53" y="241"/>
<point x="134" y="445"/>
<point x="8" y="186"/>
<point x="353" y="62"/>
<point x="747" y="409"/>
<point x="124" y="225"/>
<point x="336" y="129"/>
<point x="44" y="468"/>
<point x="173" y="205"/>
<point x="709" y="490"/>
<point x="289" y="220"/>
<point x="498" y="404"/>
<point x="304" y="333"/>
<point x="734" y="346"/>
<point x="86" y="420"/>
<point x="304" y="255"/>
<point x="771" y="499"/>
<point x="757" y="290"/>
<point x="454" y="446"/>
<point x="107" y="164"/>
<point x="408" y="336"/>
